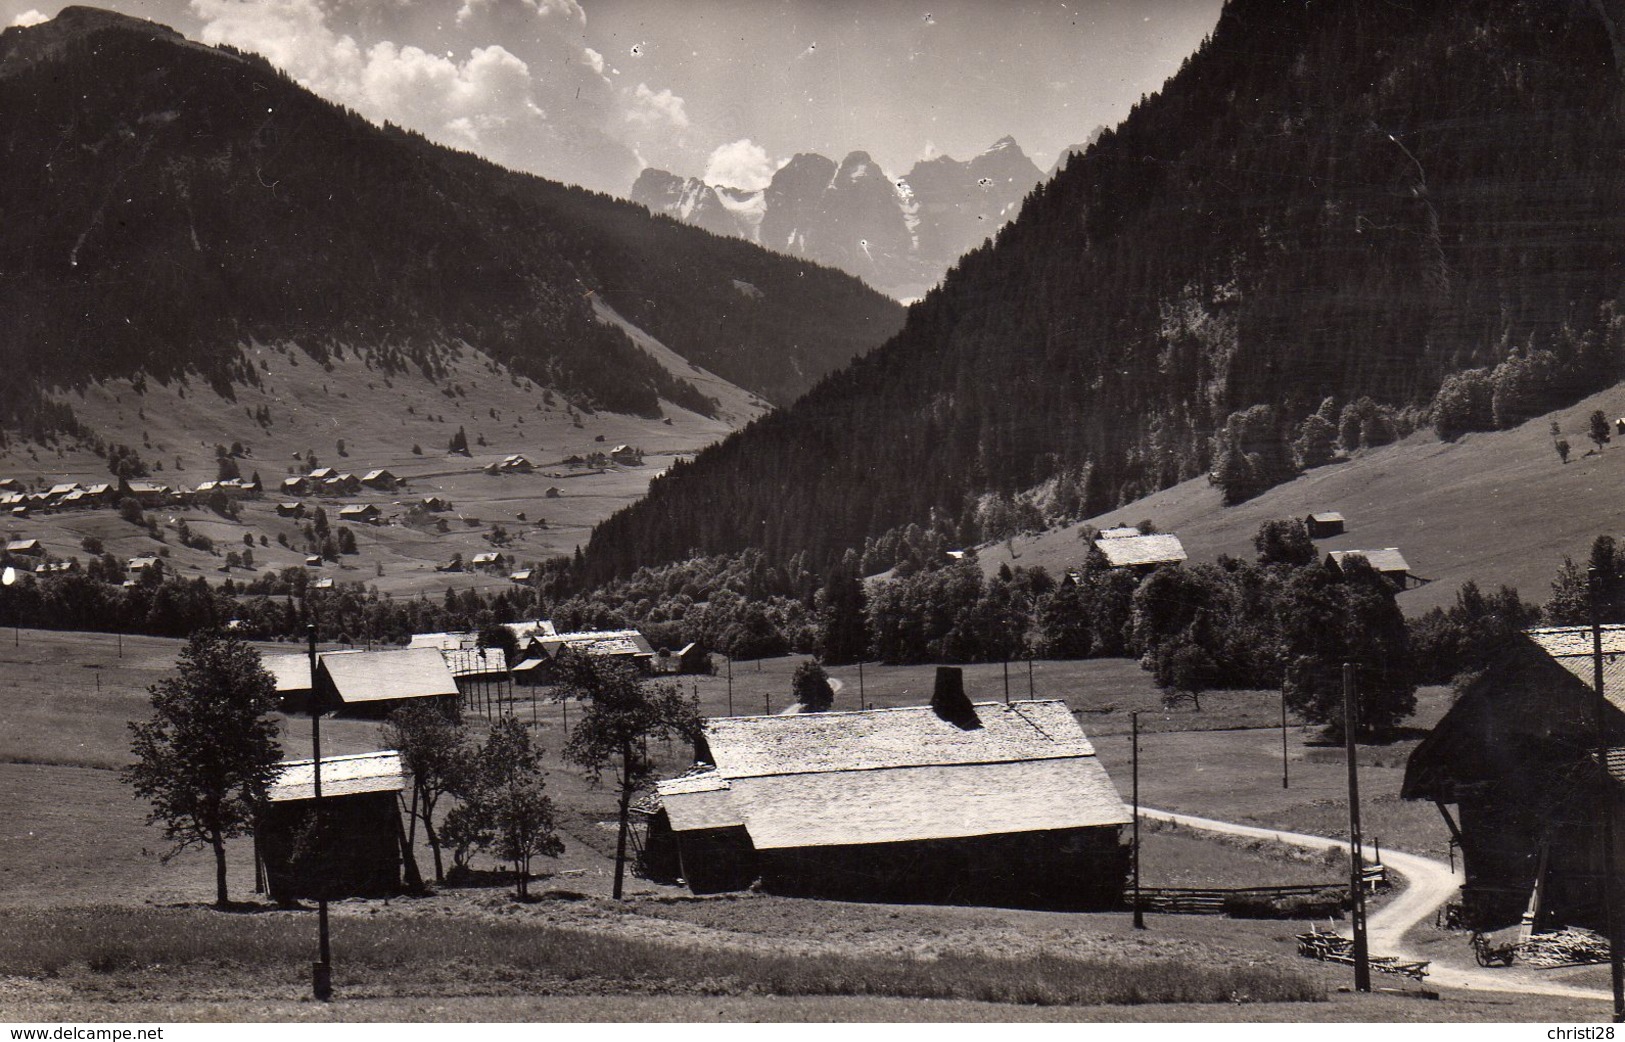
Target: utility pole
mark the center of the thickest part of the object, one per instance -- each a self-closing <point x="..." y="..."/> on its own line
<point x="1605" y="807"/>
<point x="1030" y="675"/>
<point x="1285" y="781"/>
<point x="1007" y="681"/>
<point x="1362" y="955"/>
<point x="321" y="971"/>
<point x="730" y="685"/>
<point x="861" y="703"/>
<point x="1139" y="914"/>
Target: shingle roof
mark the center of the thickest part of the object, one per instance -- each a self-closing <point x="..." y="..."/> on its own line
<point x="1327" y="517"/>
<point x="1571" y="647"/>
<point x="341" y="776"/>
<point x="374" y="676"/>
<point x="1120" y="533"/>
<point x="1130" y="551"/>
<point x="1387" y="560"/>
<point x="700" y="801"/>
<point x="892" y="775"/>
<point x="598" y="642"/>
<point x="873" y="739"/>
<point x="443" y="641"/>
<point x="525" y="631"/>
<point x="292" y="672"/>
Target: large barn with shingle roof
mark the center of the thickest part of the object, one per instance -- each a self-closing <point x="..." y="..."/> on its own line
<point x="363" y="683"/>
<point x="989" y="803"/>
<point x="1141" y="552"/>
<point x="1517" y="756"/>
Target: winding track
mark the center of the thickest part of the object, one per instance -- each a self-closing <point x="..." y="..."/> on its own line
<point x="1430" y="884"/>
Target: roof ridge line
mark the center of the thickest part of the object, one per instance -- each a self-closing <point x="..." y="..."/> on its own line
<point x="905" y="766"/>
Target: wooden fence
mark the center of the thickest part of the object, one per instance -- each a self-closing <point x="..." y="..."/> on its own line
<point x="1179" y="900"/>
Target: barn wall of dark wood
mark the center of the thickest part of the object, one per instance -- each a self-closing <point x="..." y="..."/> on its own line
<point x="359" y="856"/>
<point x="1067" y="869"/>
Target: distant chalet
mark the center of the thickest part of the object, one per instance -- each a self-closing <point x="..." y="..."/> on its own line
<point x="1388" y="563"/>
<point x="1139" y="552"/>
<point x="363" y="843"/>
<point x="953" y="802"/>
<point x="1532" y="759"/>
<point x="364" y="683"/>
<point x="1324" y="524"/>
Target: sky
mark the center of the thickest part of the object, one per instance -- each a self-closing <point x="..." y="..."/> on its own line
<point x="593" y="91"/>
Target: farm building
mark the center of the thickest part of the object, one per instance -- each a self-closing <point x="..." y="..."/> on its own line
<point x="1141" y="552"/>
<point x="321" y="474"/>
<point x="1324" y="524"/>
<point x="145" y="493"/>
<point x="627" y="644"/>
<point x="342" y="485"/>
<point x="486" y="559"/>
<point x="361" y="845"/>
<point x="363" y="683"/>
<point x="364" y="513"/>
<point x="294" y="509"/>
<point x="690" y="658"/>
<point x="25" y="548"/>
<point x="1388" y="563"/>
<point x="382" y="480"/>
<point x="516" y="465"/>
<point x="989" y="803"/>
<point x="1518" y="756"/>
<point x="294" y="486"/>
<point x="1121" y="532"/>
<point x="523" y="575"/>
<point x="433" y="504"/>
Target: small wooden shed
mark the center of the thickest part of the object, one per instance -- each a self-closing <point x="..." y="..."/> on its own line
<point x="361" y="845"/>
<point x="1324" y="524"/>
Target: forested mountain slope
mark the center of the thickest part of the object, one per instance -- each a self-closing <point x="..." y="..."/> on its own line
<point x="166" y="203"/>
<point x="1328" y="201"/>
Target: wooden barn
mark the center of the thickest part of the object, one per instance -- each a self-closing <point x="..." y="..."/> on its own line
<point x="1388" y="563"/>
<point x="1140" y="553"/>
<point x="363" y="683"/>
<point x="1324" y="524"/>
<point x="987" y="803"/>
<point x="1518" y="756"/>
<point x="362" y="843"/>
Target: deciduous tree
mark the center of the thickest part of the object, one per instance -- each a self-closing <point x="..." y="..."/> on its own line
<point x="208" y="755"/>
<point x="624" y="712"/>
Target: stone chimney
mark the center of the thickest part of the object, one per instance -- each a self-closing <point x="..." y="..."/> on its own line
<point x="949" y="700"/>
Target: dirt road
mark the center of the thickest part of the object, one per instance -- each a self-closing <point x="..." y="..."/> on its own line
<point x="1429" y="884"/>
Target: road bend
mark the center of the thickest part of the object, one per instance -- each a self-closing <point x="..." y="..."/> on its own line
<point x="1429" y="884"/>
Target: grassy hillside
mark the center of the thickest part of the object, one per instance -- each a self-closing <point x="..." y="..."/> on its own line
<point x="1493" y="507"/>
<point x="379" y="417"/>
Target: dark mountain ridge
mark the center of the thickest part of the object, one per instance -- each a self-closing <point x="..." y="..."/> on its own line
<point x="168" y="202"/>
<point x="1343" y="202"/>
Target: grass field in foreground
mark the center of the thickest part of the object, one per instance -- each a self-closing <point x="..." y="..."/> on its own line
<point x="107" y="951"/>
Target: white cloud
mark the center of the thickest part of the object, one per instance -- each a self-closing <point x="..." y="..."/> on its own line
<point x="652" y="108"/>
<point x="740" y="164"/>
<point x="551" y="115"/>
<point x="565" y="9"/>
<point x="29" y="17"/>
